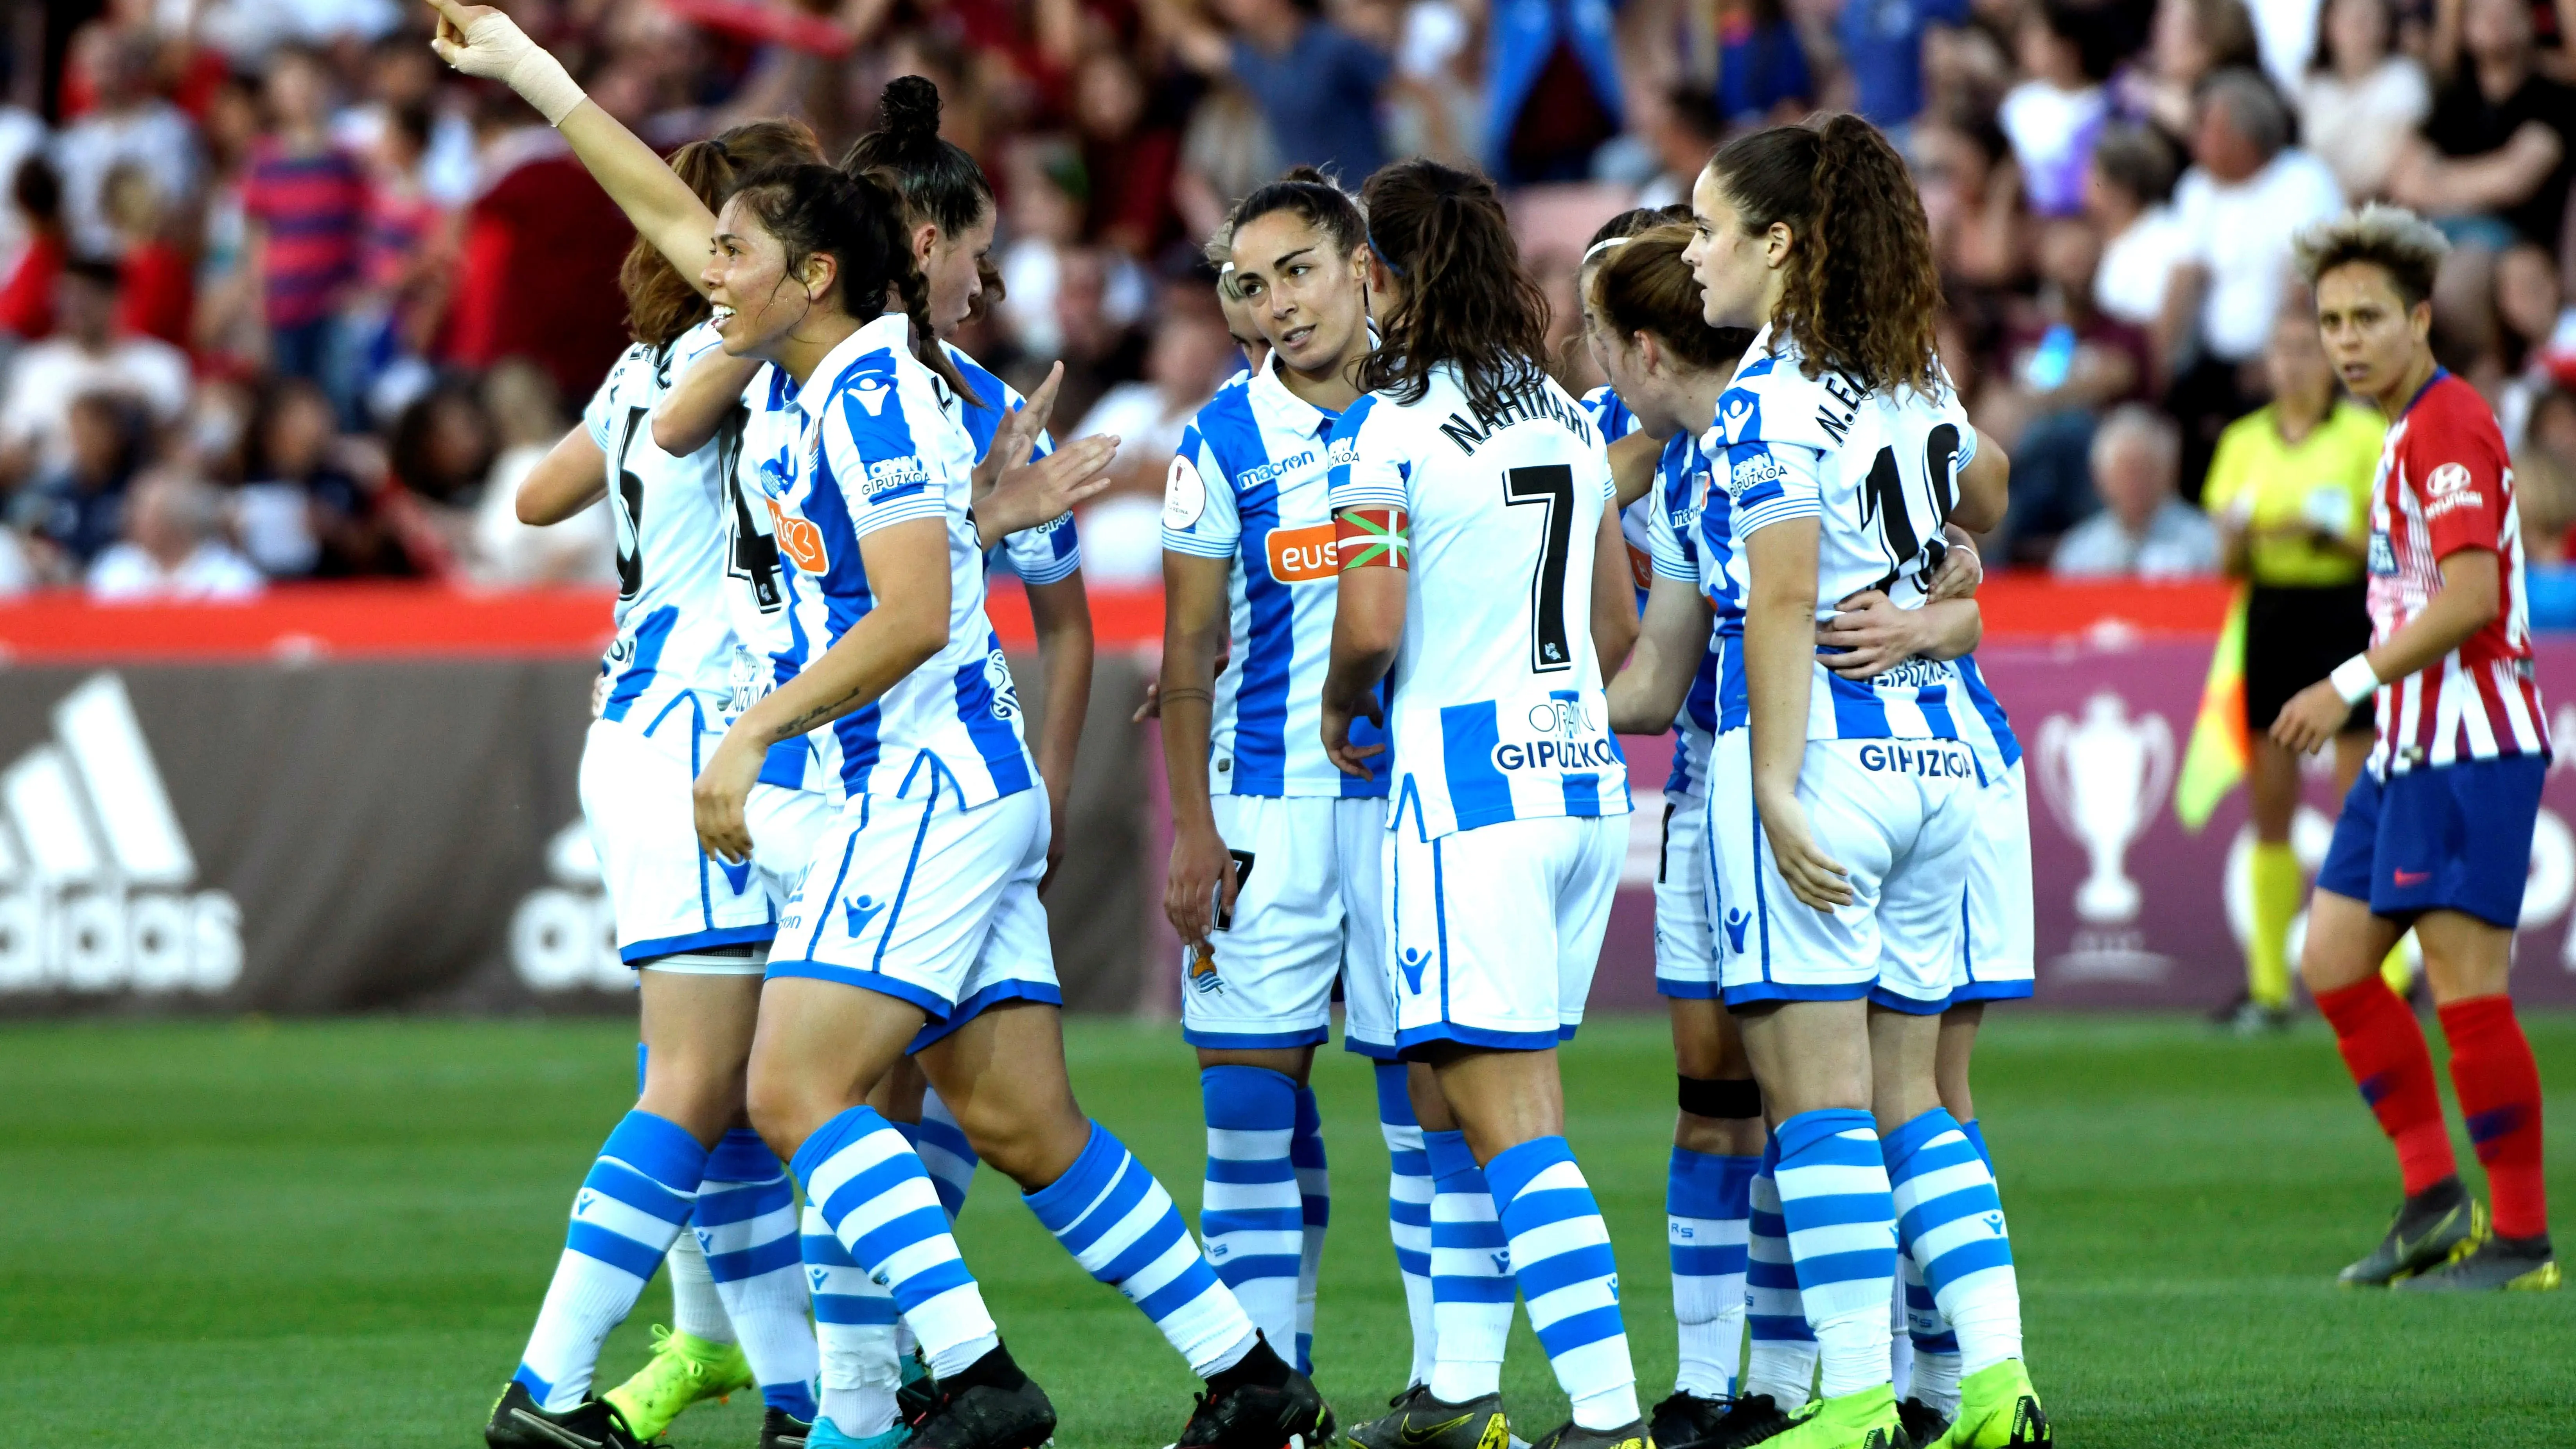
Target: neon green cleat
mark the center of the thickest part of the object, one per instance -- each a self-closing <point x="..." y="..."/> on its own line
<point x="684" y="1369"/>
<point x="1865" y="1420"/>
<point x="1998" y="1409"/>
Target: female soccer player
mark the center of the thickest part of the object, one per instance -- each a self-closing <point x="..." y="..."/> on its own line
<point x="697" y="934"/>
<point x="1273" y="884"/>
<point x="1480" y="560"/>
<point x="943" y="817"/>
<point x="2437" y="831"/>
<point x="1841" y="449"/>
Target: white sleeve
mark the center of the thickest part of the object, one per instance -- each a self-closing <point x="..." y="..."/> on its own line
<point x="880" y="471"/>
<point x="1367" y="469"/>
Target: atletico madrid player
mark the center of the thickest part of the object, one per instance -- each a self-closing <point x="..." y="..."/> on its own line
<point x="2436" y="834"/>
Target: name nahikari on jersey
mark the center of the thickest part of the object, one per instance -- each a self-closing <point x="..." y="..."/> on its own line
<point x="1250" y="485"/>
<point x="882" y="443"/>
<point x="1498" y="712"/>
<point x="1876" y="470"/>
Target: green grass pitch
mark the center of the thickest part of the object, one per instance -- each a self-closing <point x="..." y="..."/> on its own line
<point x="246" y="1234"/>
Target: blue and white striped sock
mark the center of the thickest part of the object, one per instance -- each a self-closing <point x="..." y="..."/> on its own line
<point x="1952" y="1224"/>
<point x="1706" y="1201"/>
<point x="1471" y="1274"/>
<point x="1248" y="1208"/>
<point x="1976" y="1136"/>
<point x="1315" y="1201"/>
<point x="1120" y="1225"/>
<point x="1935" y="1378"/>
<point x="624" y="1219"/>
<point x="1841" y="1219"/>
<point x="696" y="1308"/>
<point x="1408" y="1210"/>
<point x="879" y="1202"/>
<point x="746" y="1223"/>
<point x="854" y="1322"/>
<point x="1781" y="1361"/>
<point x="945" y="1153"/>
<point x="1562" y="1260"/>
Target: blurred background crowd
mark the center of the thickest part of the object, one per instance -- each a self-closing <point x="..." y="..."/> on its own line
<point x="281" y="298"/>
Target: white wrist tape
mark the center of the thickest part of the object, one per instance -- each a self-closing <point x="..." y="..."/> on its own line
<point x="541" y="79"/>
<point x="2353" y="679"/>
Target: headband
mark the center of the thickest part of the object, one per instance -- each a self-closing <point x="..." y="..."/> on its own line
<point x="1385" y="260"/>
<point x="1603" y="245"/>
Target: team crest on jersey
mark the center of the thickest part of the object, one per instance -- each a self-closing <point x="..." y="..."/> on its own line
<point x="1184" y="494"/>
<point x="1203" y="977"/>
<point x="1006" y="692"/>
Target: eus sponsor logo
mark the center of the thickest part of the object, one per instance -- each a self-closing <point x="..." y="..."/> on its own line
<point x="799" y="539"/>
<point x="1304" y="555"/>
<point x="894" y="475"/>
<point x="1931" y="759"/>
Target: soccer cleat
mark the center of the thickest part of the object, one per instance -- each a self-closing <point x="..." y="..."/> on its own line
<point x="517" y="1423"/>
<point x="684" y="1369"/>
<point x="1631" y="1435"/>
<point x="1923" y="1423"/>
<point x="1863" y="1420"/>
<point x="989" y="1404"/>
<point x="918" y="1391"/>
<point x="2507" y="1265"/>
<point x="2428" y="1230"/>
<point x="1998" y="1409"/>
<point x="780" y="1429"/>
<point x="827" y="1435"/>
<point x="1260" y="1403"/>
<point x="1423" y="1422"/>
<point x="1750" y="1419"/>
<point x="1684" y="1421"/>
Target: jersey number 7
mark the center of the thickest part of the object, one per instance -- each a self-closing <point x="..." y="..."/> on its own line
<point x="1550" y="488"/>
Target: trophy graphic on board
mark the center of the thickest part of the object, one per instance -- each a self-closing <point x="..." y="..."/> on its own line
<point x="2104" y="779"/>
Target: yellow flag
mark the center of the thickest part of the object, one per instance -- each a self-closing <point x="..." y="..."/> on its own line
<point x="2219" y="750"/>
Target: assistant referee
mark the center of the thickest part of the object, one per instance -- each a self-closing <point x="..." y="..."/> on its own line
<point x="2290" y="489"/>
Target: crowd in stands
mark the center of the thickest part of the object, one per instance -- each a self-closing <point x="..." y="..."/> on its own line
<point x="281" y="298"/>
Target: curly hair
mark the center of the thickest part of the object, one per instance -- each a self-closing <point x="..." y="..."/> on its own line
<point x="1643" y="285"/>
<point x="1861" y="291"/>
<point x="660" y="303"/>
<point x="857" y="221"/>
<point x="1468" y="300"/>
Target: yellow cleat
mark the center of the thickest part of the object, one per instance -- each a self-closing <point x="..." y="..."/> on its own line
<point x="1865" y="1420"/>
<point x="1998" y="1409"/>
<point x="684" y="1369"/>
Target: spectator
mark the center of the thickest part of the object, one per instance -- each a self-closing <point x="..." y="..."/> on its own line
<point x="2544" y="469"/>
<point x="2065" y="362"/>
<point x="2496" y="156"/>
<point x="2190" y="41"/>
<point x="292" y="484"/>
<point x="2055" y="116"/>
<point x="173" y="549"/>
<point x="2361" y="99"/>
<point x="22" y="139"/>
<point x="127" y="123"/>
<point x="1438" y="89"/>
<point x="2125" y="194"/>
<point x="160" y="293"/>
<point x="1762" y="75"/>
<point x="1552" y="89"/>
<point x="78" y="505"/>
<point x="536" y="271"/>
<point x="1316" y="84"/>
<point x="84" y="355"/>
<point x="1882" y="44"/>
<point x="578" y="550"/>
<point x="2143" y="531"/>
<point x="1190" y="354"/>
<point x="306" y="202"/>
<point x="402" y="269"/>
<point x="27" y="296"/>
<point x="1128" y="155"/>
<point x="2248" y="193"/>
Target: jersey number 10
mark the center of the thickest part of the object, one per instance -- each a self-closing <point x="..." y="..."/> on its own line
<point x="1908" y="523"/>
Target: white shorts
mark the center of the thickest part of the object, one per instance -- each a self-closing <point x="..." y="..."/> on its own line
<point x="669" y="896"/>
<point x="1897" y="814"/>
<point x="920" y="900"/>
<point x="1685" y="945"/>
<point x="1307" y="910"/>
<point x="1995" y="959"/>
<point x="1495" y="931"/>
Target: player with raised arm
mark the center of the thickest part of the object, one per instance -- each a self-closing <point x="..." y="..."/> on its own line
<point x="697" y="931"/>
<point x="2436" y="832"/>
<point x="1839" y="817"/>
<point x="944" y="813"/>
<point x="1273" y="884"/>
<point x="1481" y="563"/>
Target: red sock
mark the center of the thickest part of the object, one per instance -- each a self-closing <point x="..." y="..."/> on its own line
<point x="2384" y="1050"/>
<point x="2499" y="1087"/>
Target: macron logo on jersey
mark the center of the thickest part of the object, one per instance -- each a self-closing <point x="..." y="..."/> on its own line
<point x="94" y="871"/>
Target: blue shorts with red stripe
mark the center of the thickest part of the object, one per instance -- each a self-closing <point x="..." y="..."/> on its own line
<point x="2446" y="838"/>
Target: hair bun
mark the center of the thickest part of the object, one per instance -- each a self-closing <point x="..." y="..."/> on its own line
<point x="908" y="111"/>
<point x="1311" y="174"/>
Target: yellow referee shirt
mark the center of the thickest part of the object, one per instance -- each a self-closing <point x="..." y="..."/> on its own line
<point x="2263" y="484"/>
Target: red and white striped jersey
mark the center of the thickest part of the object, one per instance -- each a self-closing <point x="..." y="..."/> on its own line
<point x="2445" y="484"/>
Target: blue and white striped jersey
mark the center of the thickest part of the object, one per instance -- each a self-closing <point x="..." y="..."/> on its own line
<point x="1673" y="509"/>
<point x="1982" y="724"/>
<point x="1250" y="485"/>
<point x="1875" y="470"/>
<point x="881" y="442"/>
<point x="1498" y="712"/>
<point x="1611" y="418"/>
<point x="668" y="667"/>
<point x="1050" y="552"/>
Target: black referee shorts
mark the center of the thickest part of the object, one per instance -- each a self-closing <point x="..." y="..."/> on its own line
<point x="2295" y="637"/>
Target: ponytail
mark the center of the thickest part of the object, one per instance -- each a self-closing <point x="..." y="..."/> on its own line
<point x="660" y="303"/>
<point x="938" y="181"/>
<point x="1861" y="292"/>
<point x="1468" y="301"/>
